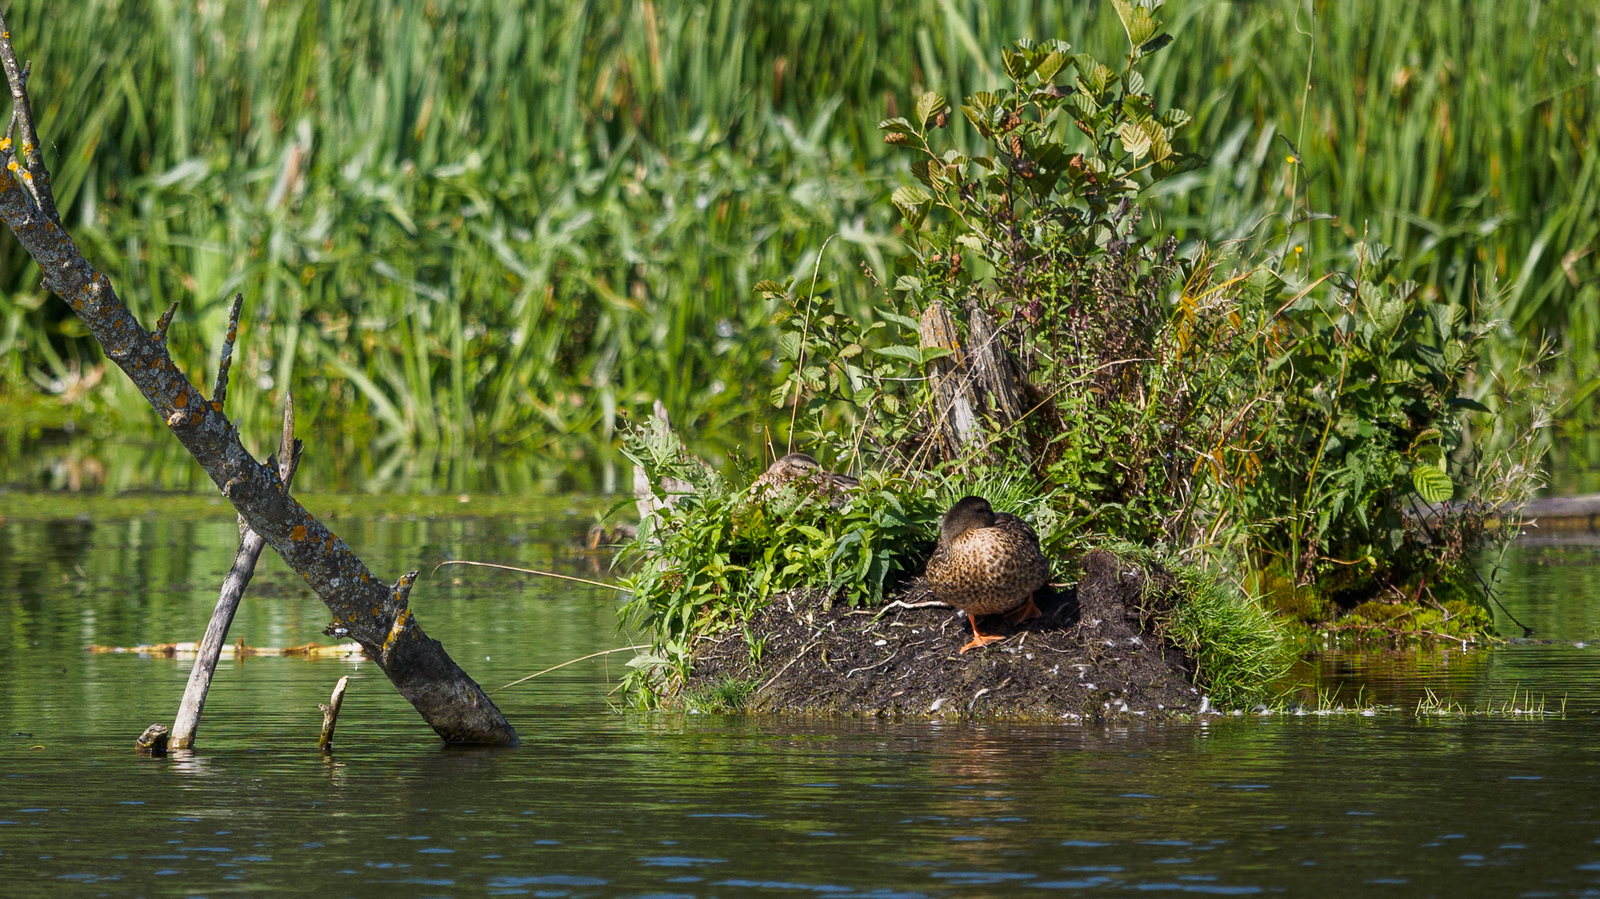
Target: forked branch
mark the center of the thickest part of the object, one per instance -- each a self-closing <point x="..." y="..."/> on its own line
<point x="455" y="706"/>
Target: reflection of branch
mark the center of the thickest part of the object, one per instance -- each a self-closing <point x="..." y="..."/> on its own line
<point x="419" y="667"/>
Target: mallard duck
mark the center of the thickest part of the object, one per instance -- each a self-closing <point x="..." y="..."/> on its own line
<point x="799" y="467"/>
<point x="986" y="563"/>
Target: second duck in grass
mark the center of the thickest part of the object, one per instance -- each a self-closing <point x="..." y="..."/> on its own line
<point x="987" y="563"/>
<point x="799" y="469"/>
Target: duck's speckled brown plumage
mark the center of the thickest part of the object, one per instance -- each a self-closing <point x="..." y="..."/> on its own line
<point x="801" y="467"/>
<point x="986" y="563"/>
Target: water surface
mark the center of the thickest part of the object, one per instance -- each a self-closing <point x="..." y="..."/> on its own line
<point x="600" y="803"/>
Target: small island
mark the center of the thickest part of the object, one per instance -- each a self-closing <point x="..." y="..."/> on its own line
<point x="1227" y="457"/>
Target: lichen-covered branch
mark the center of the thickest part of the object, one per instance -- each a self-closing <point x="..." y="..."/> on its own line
<point x="233" y="586"/>
<point x="451" y="702"/>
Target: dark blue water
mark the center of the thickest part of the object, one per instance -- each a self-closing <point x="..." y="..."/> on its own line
<point x="601" y="803"/>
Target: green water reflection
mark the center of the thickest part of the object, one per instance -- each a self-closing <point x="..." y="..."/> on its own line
<point x="598" y="803"/>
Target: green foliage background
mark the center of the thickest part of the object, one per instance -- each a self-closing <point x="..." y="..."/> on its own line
<point x="469" y="227"/>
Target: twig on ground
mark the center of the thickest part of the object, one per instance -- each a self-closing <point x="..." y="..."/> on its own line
<point x="872" y="666"/>
<point x="797" y="656"/>
<point x="902" y="604"/>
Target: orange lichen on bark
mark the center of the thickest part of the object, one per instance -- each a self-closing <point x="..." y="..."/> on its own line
<point x="395" y="630"/>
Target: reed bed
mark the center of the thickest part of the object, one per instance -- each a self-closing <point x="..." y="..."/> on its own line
<point x="468" y="228"/>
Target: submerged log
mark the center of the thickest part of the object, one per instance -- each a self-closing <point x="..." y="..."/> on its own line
<point x="1564" y="513"/>
<point x="153" y="741"/>
<point x="365" y="608"/>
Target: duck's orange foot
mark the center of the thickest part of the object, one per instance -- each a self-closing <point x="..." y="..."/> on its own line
<point x="982" y="640"/>
<point x="1024" y="612"/>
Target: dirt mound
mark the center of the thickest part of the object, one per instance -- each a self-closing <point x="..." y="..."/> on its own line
<point x="1088" y="656"/>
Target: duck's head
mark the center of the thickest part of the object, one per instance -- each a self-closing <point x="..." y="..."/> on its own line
<point x="793" y="466"/>
<point x="969" y="512"/>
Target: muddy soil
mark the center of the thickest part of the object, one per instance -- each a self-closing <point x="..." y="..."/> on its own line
<point x="1086" y="657"/>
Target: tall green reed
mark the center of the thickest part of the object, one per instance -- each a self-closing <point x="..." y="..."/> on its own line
<point x="463" y="226"/>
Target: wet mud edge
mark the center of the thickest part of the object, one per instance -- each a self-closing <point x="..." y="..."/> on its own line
<point x="1090" y="656"/>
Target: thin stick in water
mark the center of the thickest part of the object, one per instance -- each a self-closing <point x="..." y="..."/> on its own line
<point x="330" y="714"/>
<point x="592" y="655"/>
<point x="564" y="577"/>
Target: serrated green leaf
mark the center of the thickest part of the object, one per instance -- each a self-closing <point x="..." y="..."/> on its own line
<point x="779" y="396"/>
<point x="896" y="125"/>
<point x="1432" y="455"/>
<point x="1176" y="119"/>
<point x="1160" y="148"/>
<point x="1138" y="21"/>
<point x="1134" y="139"/>
<point x="1432" y="484"/>
<point x="903" y="353"/>
<point x="929" y="105"/>
<point x="904" y="321"/>
<point x="909" y="197"/>
<point x="1050" y="65"/>
<point x="1427" y="435"/>
<point x="1093" y="76"/>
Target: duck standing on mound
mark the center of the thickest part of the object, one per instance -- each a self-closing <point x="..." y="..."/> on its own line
<point x="987" y="563"/>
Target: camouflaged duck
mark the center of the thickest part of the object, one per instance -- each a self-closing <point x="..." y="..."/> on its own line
<point x="987" y="563"/>
<point x="800" y="469"/>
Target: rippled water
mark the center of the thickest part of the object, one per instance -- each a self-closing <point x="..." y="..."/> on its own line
<point x="597" y="803"/>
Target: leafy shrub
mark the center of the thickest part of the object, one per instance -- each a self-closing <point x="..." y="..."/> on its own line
<point x="712" y="557"/>
<point x="1227" y="412"/>
<point x="1223" y="408"/>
